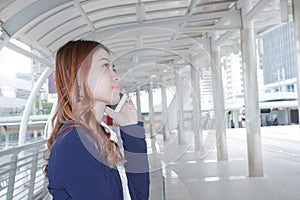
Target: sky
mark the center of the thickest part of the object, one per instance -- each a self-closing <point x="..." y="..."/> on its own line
<point x="12" y="62"/>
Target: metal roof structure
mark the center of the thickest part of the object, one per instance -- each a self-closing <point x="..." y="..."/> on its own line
<point x="147" y="37"/>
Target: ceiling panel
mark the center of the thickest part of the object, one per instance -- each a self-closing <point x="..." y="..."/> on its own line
<point x="138" y="32"/>
<point x="111" y="12"/>
<point x="114" y="21"/>
<point x="53" y="35"/>
<point x="90" y="6"/>
<point x="10" y="7"/>
<point x="53" y="22"/>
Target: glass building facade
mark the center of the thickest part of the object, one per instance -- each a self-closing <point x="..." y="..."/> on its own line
<point x="279" y="54"/>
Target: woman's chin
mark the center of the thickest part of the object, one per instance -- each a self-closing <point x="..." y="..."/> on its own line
<point x="115" y="101"/>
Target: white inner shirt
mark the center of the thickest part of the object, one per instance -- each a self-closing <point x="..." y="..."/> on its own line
<point x="120" y="167"/>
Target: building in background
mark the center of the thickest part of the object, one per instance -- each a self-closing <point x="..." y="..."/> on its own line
<point x="17" y="78"/>
<point x="276" y="74"/>
<point x="278" y="59"/>
<point x="279" y="103"/>
<point x="233" y="76"/>
<point x="233" y="83"/>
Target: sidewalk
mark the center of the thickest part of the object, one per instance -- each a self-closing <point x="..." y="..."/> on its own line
<point x="189" y="175"/>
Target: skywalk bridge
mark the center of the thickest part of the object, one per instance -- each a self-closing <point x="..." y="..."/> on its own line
<point x="173" y="45"/>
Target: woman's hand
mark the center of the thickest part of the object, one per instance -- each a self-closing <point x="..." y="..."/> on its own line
<point x="127" y="115"/>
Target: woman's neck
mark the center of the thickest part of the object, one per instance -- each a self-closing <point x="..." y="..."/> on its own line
<point x="99" y="108"/>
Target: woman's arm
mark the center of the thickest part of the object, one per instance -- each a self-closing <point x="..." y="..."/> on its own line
<point x="137" y="167"/>
<point x="135" y="150"/>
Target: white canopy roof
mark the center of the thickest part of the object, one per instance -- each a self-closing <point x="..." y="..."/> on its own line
<point x="147" y="37"/>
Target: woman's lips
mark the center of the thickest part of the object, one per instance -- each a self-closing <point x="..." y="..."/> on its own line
<point x="116" y="87"/>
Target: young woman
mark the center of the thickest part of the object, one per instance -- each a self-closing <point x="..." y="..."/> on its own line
<point x="85" y="161"/>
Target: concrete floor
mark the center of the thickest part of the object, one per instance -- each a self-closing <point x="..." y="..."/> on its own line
<point x="189" y="175"/>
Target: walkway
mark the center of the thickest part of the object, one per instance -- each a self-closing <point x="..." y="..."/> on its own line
<point x="193" y="176"/>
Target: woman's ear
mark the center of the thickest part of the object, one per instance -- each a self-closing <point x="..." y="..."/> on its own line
<point x="79" y="86"/>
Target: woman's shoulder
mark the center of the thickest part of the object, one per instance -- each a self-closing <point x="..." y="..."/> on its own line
<point x="68" y="135"/>
<point x="76" y="141"/>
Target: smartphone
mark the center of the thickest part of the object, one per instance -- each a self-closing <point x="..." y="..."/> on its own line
<point x="117" y="107"/>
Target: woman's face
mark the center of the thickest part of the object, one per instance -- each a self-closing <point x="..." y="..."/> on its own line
<point x="102" y="79"/>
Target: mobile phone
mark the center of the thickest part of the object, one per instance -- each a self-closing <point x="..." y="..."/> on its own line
<point x="117" y="107"/>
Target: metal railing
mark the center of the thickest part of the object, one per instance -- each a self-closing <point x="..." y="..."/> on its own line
<point x="21" y="174"/>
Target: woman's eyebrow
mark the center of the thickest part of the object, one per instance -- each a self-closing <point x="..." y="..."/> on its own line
<point x="104" y="59"/>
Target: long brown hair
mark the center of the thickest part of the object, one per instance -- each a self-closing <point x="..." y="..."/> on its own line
<point x="75" y="99"/>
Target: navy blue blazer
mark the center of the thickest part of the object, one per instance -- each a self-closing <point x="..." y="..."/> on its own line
<point x="76" y="171"/>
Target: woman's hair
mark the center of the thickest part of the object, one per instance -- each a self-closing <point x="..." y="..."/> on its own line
<point x="76" y="100"/>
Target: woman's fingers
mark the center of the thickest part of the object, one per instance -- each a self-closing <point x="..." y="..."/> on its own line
<point x="127" y="115"/>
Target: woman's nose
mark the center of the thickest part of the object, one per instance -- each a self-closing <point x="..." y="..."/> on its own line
<point x="116" y="76"/>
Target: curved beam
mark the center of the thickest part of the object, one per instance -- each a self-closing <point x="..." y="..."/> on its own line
<point x="49" y="126"/>
<point x="29" y="104"/>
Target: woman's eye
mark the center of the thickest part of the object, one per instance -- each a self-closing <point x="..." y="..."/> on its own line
<point x="106" y="65"/>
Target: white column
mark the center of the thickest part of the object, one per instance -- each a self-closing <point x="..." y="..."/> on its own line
<point x="296" y="7"/>
<point x="49" y="128"/>
<point x="164" y="109"/>
<point x="219" y="108"/>
<point x="196" y="119"/>
<point x="178" y="83"/>
<point x="255" y="161"/>
<point x="236" y="118"/>
<point x="151" y="110"/>
<point x="138" y="103"/>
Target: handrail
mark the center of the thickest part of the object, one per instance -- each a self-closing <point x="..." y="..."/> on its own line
<point x="21" y="148"/>
<point x="21" y="175"/>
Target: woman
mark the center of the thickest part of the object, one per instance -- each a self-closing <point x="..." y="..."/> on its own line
<point x="85" y="162"/>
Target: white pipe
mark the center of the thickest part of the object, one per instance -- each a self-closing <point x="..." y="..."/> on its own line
<point x="49" y="128"/>
<point x="180" y="117"/>
<point x="151" y="110"/>
<point x="164" y="109"/>
<point x="138" y="103"/>
<point x="30" y="103"/>
<point x="197" y="119"/>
